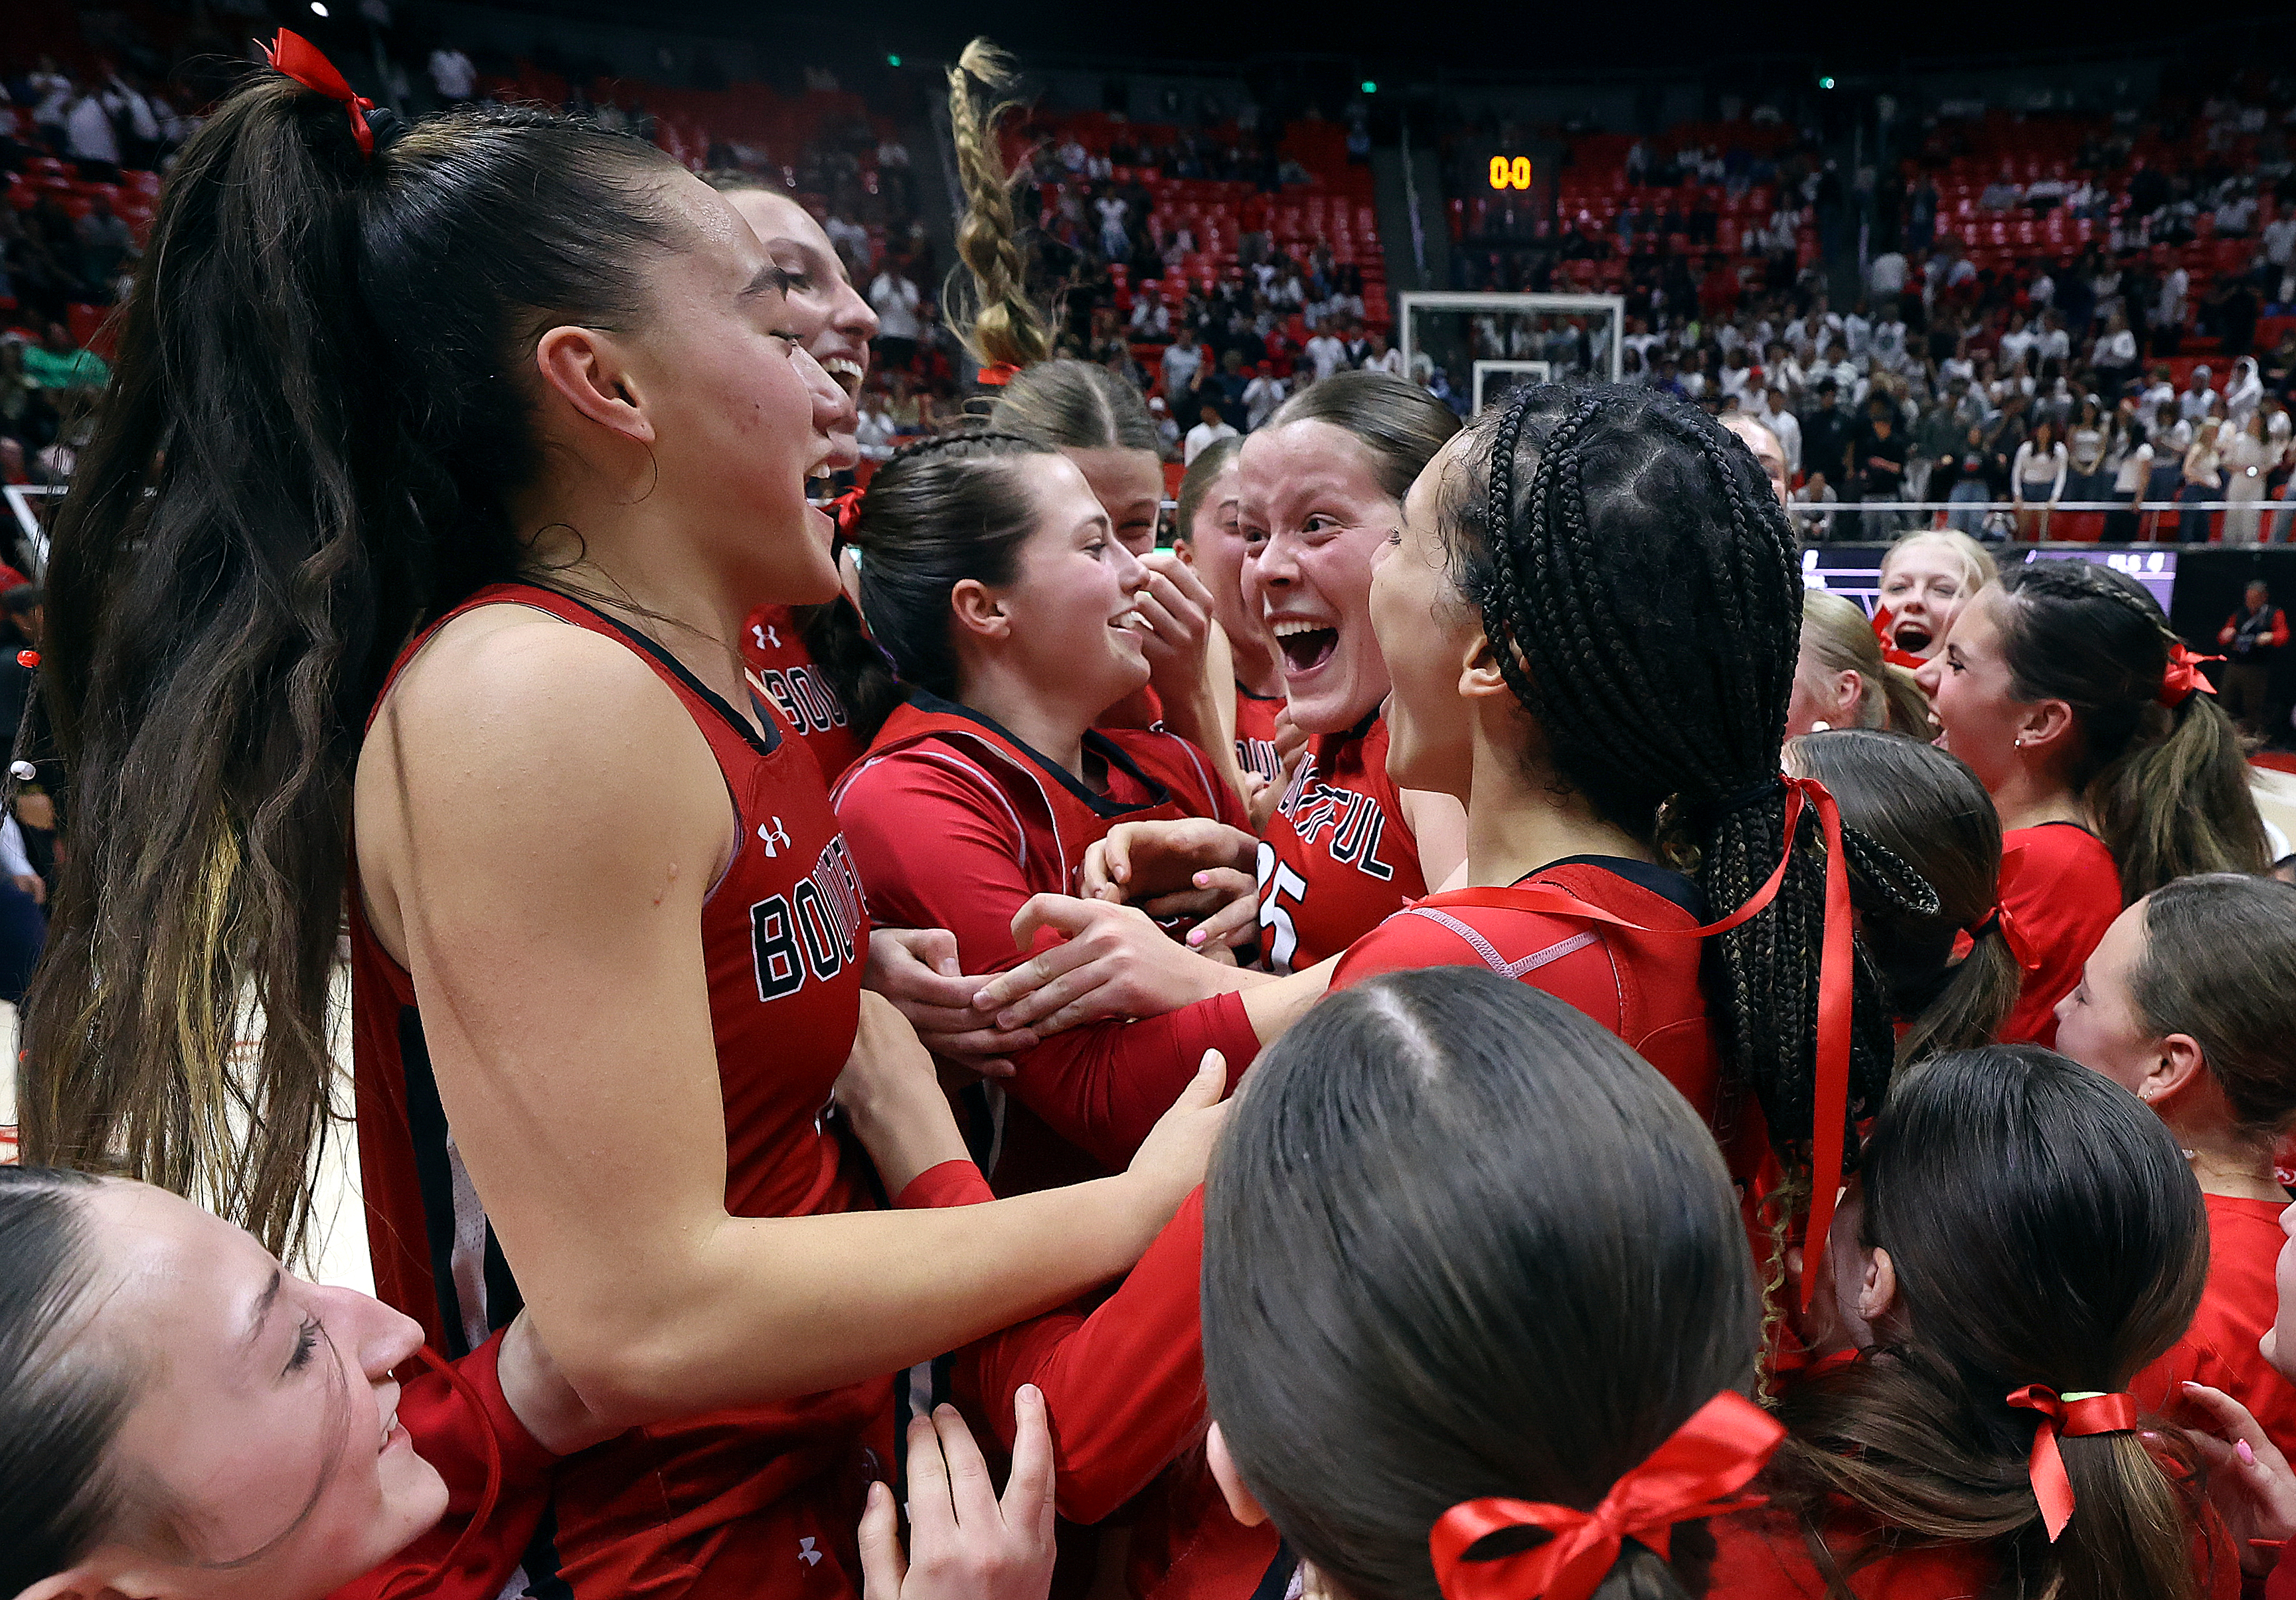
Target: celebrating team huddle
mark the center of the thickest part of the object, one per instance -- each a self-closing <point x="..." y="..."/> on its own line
<point x="1453" y="1032"/>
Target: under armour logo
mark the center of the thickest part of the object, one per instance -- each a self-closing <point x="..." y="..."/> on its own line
<point x="767" y="638"/>
<point x="774" y="837"/>
<point x="806" y="1554"/>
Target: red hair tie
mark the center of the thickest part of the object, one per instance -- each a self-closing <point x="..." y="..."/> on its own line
<point x="2077" y="1416"/>
<point x="997" y="375"/>
<point x="1828" y="1140"/>
<point x="2184" y="676"/>
<point x="1694" y="1473"/>
<point x="845" y="509"/>
<point x="295" y="57"/>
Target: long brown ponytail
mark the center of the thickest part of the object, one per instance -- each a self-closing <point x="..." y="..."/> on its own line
<point x="309" y="442"/>
<point x="2167" y="786"/>
<point x="1990" y="1175"/>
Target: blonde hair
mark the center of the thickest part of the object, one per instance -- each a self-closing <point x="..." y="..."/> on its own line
<point x="988" y="307"/>
<point x="1837" y="634"/>
<point x="1977" y="563"/>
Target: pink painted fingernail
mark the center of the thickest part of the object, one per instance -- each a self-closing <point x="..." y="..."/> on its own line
<point x="1204" y="880"/>
<point x="1196" y="936"/>
<point x="2244" y="1453"/>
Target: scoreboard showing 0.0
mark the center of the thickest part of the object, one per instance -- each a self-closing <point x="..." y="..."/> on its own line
<point x="1510" y="172"/>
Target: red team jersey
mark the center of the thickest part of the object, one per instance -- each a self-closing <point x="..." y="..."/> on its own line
<point x="463" y="1427"/>
<point x="2064" y="893"/>
<point x="736" y="1503"/>
<point x="955" y="823"/>
<point x="1763" y="1554"/>
<point x="1255" y="732"/>
<point x="1644" y="988"/>
<point x="2238" y="1305"/>
<point x="782" y="670"/>
<point x="1337" y="858"/>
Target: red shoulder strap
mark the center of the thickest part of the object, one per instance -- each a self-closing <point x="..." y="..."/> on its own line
<point x="1827" y="1153"/>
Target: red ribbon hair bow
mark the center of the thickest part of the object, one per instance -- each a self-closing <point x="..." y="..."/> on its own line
<point x="1696" y="1472"/>
<point x="996" y="375"/>
<point x="297" y="58"/>
<point x="845" y="509"/>
<point x="2013" y="932"/>
<point x="2076" y="1416"/>
<point x="2185" y="675"/>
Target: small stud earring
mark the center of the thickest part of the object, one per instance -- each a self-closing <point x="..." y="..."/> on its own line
<point x="2020" y="743"/>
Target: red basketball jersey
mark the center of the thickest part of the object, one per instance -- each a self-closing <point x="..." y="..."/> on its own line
<point x="1643" y="986"/>
<point x="955" y="824"/>
<point x="1255" y="732"/>
<point x="1337" y="858"/>
<point x="782" y="670"/>
<point x="2063" y="892"/>
<point x="2241" y="1301"/>
<point x="721" y="1504"/>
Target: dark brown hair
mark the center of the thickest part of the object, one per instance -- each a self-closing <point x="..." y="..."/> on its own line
<point x="1461" y="1240"/>
<point x="939" y="512"/>
<point x="1928" y="810"/>
<point x="60" y="1404"/>
<point x="309" y="445"/>
<point x="2169" y="789"/>
<point x="1400" y="423"/>
<point x="2219" y="964"/>
<point x="1990" y="1175"/>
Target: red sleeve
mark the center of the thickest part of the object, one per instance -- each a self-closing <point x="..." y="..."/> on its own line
<point x="950" y="1184"/>
<point x="1124" y="1387"/>
<point x="2279" y="629"/>
<point x="463" y="1429"/>
<point x="935" y="851"/>
<point x="2064" y="896"/>
<point x="1585" y="978"/>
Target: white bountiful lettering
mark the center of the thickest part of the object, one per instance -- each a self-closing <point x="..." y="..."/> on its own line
<point x="813" y="931"/>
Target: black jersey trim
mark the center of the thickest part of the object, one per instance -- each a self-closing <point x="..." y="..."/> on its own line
<point x="1096" y="743"/>
<point x="1668" y="885"/>
<point x="434" y="1179"/>
<point x="765" y="744"/>
<point x="1266" y="700"/>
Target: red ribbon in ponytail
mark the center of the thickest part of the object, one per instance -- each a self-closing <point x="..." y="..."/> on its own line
<point x="1828" y="1143"/>
<point x="2013" y="932"/>
<point x="997" y="375"/>
<point x="845" y="509"/>
<point x="1696" y="1472"/>
<point x="297" y="58"/>
<point x="2184" y="676"/>
<point x="2075" y="1416"/>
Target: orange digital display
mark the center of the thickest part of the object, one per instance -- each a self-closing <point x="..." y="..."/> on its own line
<point x="1510" y="172"/>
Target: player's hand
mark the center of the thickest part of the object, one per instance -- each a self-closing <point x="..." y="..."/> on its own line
<point x="1179" y="611"/>
<point x="891" y="1095"/>
<point x="1135" y="862"/>
<point x="965" y="1543"/>
<point x="916" y="969"/>
<point x="1171" y="1159"/>
<point x="2249" y="1483"/>
<point x="1111" y="961"/>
